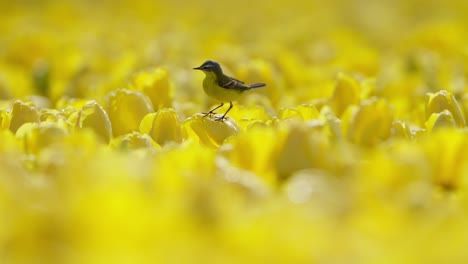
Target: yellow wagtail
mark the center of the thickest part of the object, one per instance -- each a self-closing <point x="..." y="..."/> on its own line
<point x="221" y="87"/>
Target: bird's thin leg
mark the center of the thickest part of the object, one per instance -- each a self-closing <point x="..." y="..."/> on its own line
<point x="212" y="110"/>
<point x="222" y="117"/>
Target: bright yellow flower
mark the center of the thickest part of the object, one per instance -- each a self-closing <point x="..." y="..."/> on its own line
<point x="347" y="92"/>
<point x="360" y="123"/>
<point x="443" y="100"/>
<point x="446" y="151"/>
<point x="162" y="126"/>
<point x="246" y="115"/>
<point x="22" y="113"/>
<point x="254" y="151"/>
<point x="35" y="137"/>
<point x="126" y="109"/>
<point x="93" y="116"/>
<point x="134" y="140"/>
<point x="301" y="147"/>
<point x="207" y="131"/>
<point x="51" y="115"/>
<point x="156" y="85"/>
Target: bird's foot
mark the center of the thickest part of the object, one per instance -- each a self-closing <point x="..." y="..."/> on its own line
<point x="210" y="113"/>
<point x="220" y="118"/>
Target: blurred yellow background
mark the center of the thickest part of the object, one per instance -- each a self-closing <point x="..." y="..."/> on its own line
<point x="353" y="153"/>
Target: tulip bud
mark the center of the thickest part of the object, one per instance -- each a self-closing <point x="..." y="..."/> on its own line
<point x="93" y="116"/>
<point x="126" y="109"/>
<point x="443" y="100"/>
<point x="446" y="153"/>
<point x="346" y="93"/>
<point x="369" y="123"/>
<point x="134" y="140"/>
<point x="207" y="131"/>
<point x="254" y="151"/>
<point x="301" y="147"/>
<point x="22" y="113"/>
<point x="163" y="126"/>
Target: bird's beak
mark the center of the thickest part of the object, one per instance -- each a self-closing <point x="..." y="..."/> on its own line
<point x="197" y="68"/>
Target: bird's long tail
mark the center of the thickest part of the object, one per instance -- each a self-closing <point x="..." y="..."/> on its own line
<point x="256" y="85"/>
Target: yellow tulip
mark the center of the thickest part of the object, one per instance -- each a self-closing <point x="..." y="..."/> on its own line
<point x="156" y="85"/>
<point x="180" y="172"/>
<point x="22" y="113"/>
<point x="446" y="152"/>
<point x="246" y="115"/>
<point x="51" y="115"/>
<point x="301" y="147"/>
<point x="163" y="126"/>
<point x="255" y="150"/>
<point x="93" y="116"/>
<point x="134" y="140"/>
<point x="369" y="123"/>
<point x="207" y="131"/>
<point x="126" y="109"/>
<point x="35" y="137"/>
<point x="443" y="100"/>
<point x="347" y="92"/>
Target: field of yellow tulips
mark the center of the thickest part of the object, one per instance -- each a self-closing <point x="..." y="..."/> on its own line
<point x="356" y="151"/>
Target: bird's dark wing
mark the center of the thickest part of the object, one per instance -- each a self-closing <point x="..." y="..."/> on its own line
<point x="232" y="83"/>
<point x="234" y="79"/>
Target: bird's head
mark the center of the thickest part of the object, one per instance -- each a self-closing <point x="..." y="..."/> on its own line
<point x="209" y="66"/>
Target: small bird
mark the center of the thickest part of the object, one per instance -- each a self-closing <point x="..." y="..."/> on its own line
<point x="221" y="87"/>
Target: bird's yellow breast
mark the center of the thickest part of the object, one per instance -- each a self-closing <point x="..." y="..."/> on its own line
<point x="213" y="90"/>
